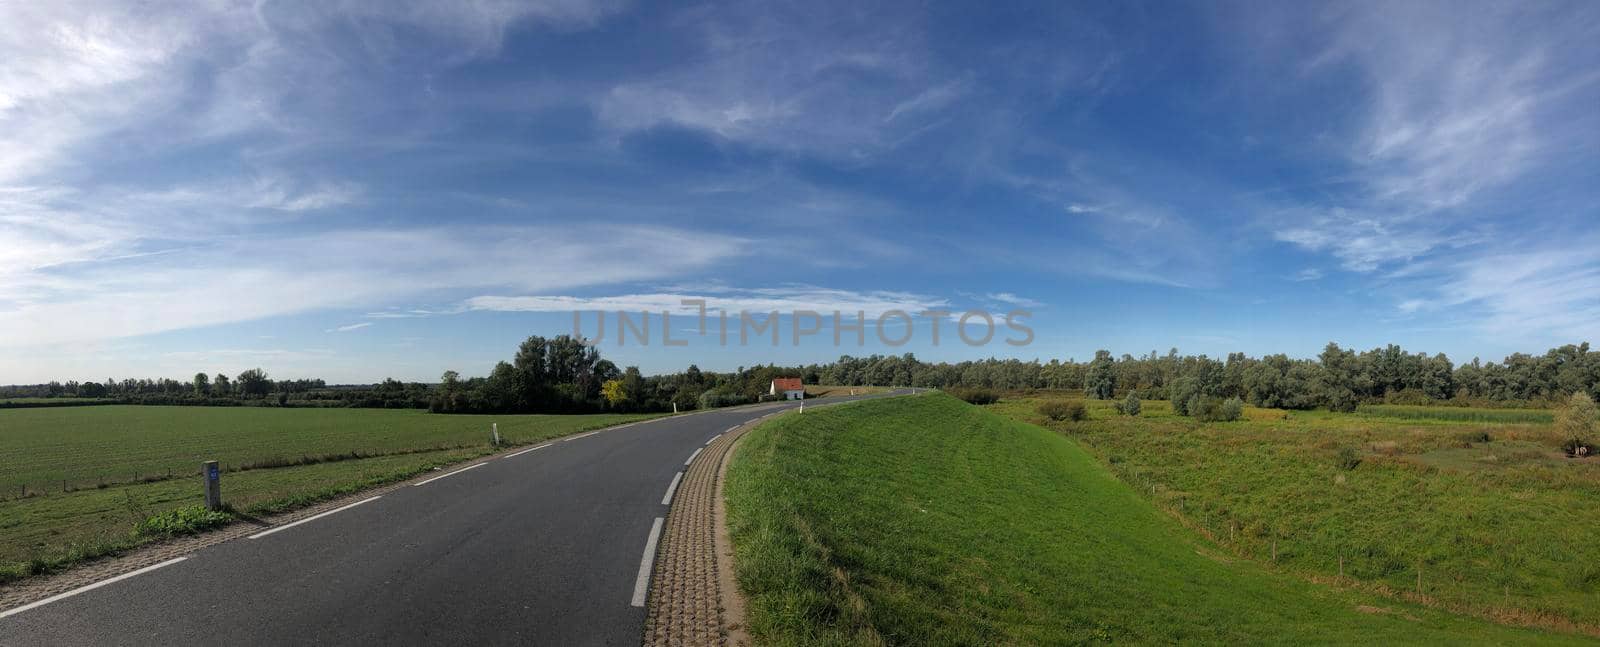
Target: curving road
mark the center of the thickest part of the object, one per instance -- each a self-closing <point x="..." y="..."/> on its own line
<point x="540" y="547"/>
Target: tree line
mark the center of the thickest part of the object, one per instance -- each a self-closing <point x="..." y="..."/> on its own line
<point x="1338" y="378"/>
<point x="562" y="374"/>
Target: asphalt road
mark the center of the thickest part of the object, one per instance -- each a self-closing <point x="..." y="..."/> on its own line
<point x="538" y="548"/>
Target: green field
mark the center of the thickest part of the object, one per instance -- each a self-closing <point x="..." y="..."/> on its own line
<point x="926" y="521"/>
<point x="1457" y="414"/>
<point x="280" y="459"/>
<point x="825" y="391"/>
<point x="1500" y="523"/>
<point x="49" y="400"/>
<point x="85" y="446"/>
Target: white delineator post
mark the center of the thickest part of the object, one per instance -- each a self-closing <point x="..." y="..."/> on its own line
<point x="494" y="428"/>
<point x="674" y="407"/>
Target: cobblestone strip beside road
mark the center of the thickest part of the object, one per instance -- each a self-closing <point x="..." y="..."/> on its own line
<point x="693" y="597"/>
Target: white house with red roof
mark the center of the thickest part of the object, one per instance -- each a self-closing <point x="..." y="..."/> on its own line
<point x="789" y="387"/>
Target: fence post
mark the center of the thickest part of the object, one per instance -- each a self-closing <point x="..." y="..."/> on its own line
<point x="213" y="478"/>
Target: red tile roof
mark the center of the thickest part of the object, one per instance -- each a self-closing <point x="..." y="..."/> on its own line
<point x="787" y="384"/>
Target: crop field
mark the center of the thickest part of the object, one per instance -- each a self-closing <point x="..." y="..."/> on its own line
<point x="76" y="480"/>
<point x="1471" y="510"/>
<point x="926" y="521"/>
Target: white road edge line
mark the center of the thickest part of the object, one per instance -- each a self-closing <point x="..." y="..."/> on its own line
<point x="521" y="452"/>
<point x="583" y="435"/>
<point x="91" y="587"/>
<point x="730" y="429"/>
<point x="441" y="476"/>
<point x="691" y="456"/>
<point x="312" y="518"/>
<point x="641" y="586"/>
<point x="666" y="500"/>
<point x="713" y="439"/>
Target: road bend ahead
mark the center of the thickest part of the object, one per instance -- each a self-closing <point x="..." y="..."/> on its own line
<point x="540" y="546"/>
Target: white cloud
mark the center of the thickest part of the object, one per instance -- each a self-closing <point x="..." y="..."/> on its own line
<point x="350" y="327"/>
<point x="1552" y="295"/>
<point x="1308" y="274"/>
<point x="1007" y="297"/>
<point x="828" y="83"/>
<point x="254" y="278"/>
<point x="1453" y="115"/>
<point x="784" y="299"/>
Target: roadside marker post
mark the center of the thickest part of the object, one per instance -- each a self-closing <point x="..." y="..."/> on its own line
<point x="213" y="477"/>
<point x="494" y="427"/>
<point x="674" y="408"/>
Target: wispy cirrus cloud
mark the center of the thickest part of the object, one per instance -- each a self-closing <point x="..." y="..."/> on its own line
<point x="350" y="327"/>
<point x="1451" y="147"/>
<point x="338" y="268"/>
<point x="781" y="299"/>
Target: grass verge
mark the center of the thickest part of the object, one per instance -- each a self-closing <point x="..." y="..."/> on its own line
<point x="45" y="532"/>
<point x="926" y="521"/>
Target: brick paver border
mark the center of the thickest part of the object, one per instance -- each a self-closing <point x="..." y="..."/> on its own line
<point x="694" y="599"/>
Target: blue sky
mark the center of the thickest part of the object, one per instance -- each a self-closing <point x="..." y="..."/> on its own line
<point x="356" y="190"/>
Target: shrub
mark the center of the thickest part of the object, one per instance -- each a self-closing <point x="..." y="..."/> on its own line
<point x="713" y="399"/>
<point x="1349" y="458"/>
<point x="1064" y="410"/>
<point x="1206" y="408"/>
<point x="1576" y="423"/>
<point x="1130" y="406"/>
<point x="975" y="396"/>
<point x="1232" y="409"/>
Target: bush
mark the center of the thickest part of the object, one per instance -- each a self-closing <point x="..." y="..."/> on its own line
<point x="1576" y="423"/>
<point x="1059" y="410"/>
<point x="975" y="396"/>
<point x="1130" y="406"/>
<point x="713" y="400"/>
<point x="1232" y="409"/>
<point x="1209" y="409"/>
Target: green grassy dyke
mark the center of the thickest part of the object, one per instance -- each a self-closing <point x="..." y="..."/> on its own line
<point x="925" y="521"/>
<point x="1497" y="521"/>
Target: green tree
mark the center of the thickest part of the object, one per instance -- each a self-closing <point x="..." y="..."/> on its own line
<point x="1100" y="381"/>
<point x="202" y="384"/>
<point x="1130" y="406"/>
<point x="254" y="382"/>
